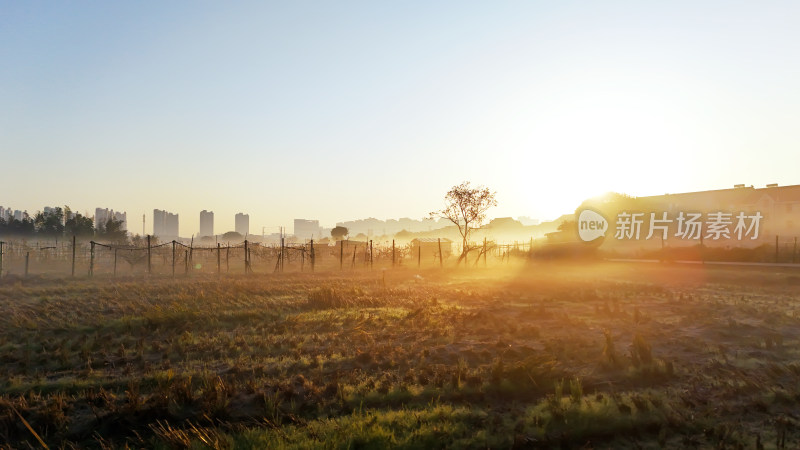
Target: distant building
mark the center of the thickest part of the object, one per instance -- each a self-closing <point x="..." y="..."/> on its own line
<point x="103" y="215"/>
<point x="206" y="223"/>
<point x="172" y="225"/>
<point x="243" y="224"/>
<point x="121" y="217"/>
<point x="159" y="222"/>
<point x="307" y="229"/>
<point x="165" y="224"/>
<point x="19" y="215"/>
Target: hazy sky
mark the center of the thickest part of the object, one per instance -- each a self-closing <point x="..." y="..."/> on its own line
<point x="345" y="110"/>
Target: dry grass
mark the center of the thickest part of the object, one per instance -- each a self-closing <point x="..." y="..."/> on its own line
<point x="524" y="356"/>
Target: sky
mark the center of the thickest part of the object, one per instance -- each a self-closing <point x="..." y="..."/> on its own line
<point x="345" y="110"/>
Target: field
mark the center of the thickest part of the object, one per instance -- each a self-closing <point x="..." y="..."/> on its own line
<point x="595" y="355"/>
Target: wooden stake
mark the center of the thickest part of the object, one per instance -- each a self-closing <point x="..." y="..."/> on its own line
<point x="173" y="258"/>
<point x="73" y="255"/>
<point x="441" y="263"/>
<point x="149" y="267"/>
<point x="27" y="257"/>
<point x="219" y="266"/>
<point x="91" y="260"/>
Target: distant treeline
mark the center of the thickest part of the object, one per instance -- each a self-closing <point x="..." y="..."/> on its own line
<point x="62" y="223"/>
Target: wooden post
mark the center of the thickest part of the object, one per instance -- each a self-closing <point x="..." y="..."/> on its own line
<point x="1" y="260"/>
<point x="228" y="258"/>
<point x="370" y="253"/>
<point x="219" y="266"/>
<point x="186" y="262"/>
<point x="303" y="258"/>
<point x="73" y="255"/>
<point x="341" y="254"/>
<point x="392" y="252"/>
<point x="283" y="253"/>
<point x="115" y="262"/>
<point x="173" y="258"/>
<point x="91" y="260"/>
<point x="245" y="256"/>
<point x="149" y="267"/>
<point x="313" y="255"/>
<point x="441" y="263"/>
<point x="27" y="257"/>
<point x="353" y="264"/>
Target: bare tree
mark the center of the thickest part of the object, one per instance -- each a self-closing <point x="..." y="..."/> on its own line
<point x="466" y="207"/>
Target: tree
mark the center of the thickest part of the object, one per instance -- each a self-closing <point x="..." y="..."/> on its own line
<point x="112" y="231"/>
<point x="50" y="224"/>
<point x="79" y="225"/>
<point x="466" y="208"/>
<point x="232" y="236"/>
<point x="339" y="233"/>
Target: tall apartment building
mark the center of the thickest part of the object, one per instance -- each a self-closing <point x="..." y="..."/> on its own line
<point x="165" y="224"/>
<point x="206" y="223"/>
<point x="103" y="215"/>
<point x="243" y="224"/>
<point x="307" y="229"/>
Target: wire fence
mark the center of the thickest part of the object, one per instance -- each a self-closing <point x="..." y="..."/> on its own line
<point x="173" y="258"/>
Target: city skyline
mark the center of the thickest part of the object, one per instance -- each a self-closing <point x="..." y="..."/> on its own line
<point x="233" y="106"/>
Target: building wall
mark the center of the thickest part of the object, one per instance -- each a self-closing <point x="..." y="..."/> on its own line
<point x="307" y="229"/>
<point x="206" y="223"/>
<point x="242" y="224"/>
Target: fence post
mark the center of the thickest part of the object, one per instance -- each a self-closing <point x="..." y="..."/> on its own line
<point x="91" y="260"/>
<point x="228" y="258"/>
<point x="1" y="258"/>
<point x="173" y="258"/>
<point x="313" y="256"/>
<point x="392" y="252"/>
<point x="73" y="255"/>
<point x="115" y="262"/>
<point x="370" y="253"/>
<point x="245" y="256"/>
<point x="341" y="254"/>
<point x="27" y="257"/>
<point x="149" y="267"/>
<point x="439" y="241"/>
<point x="219" y="266"/>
